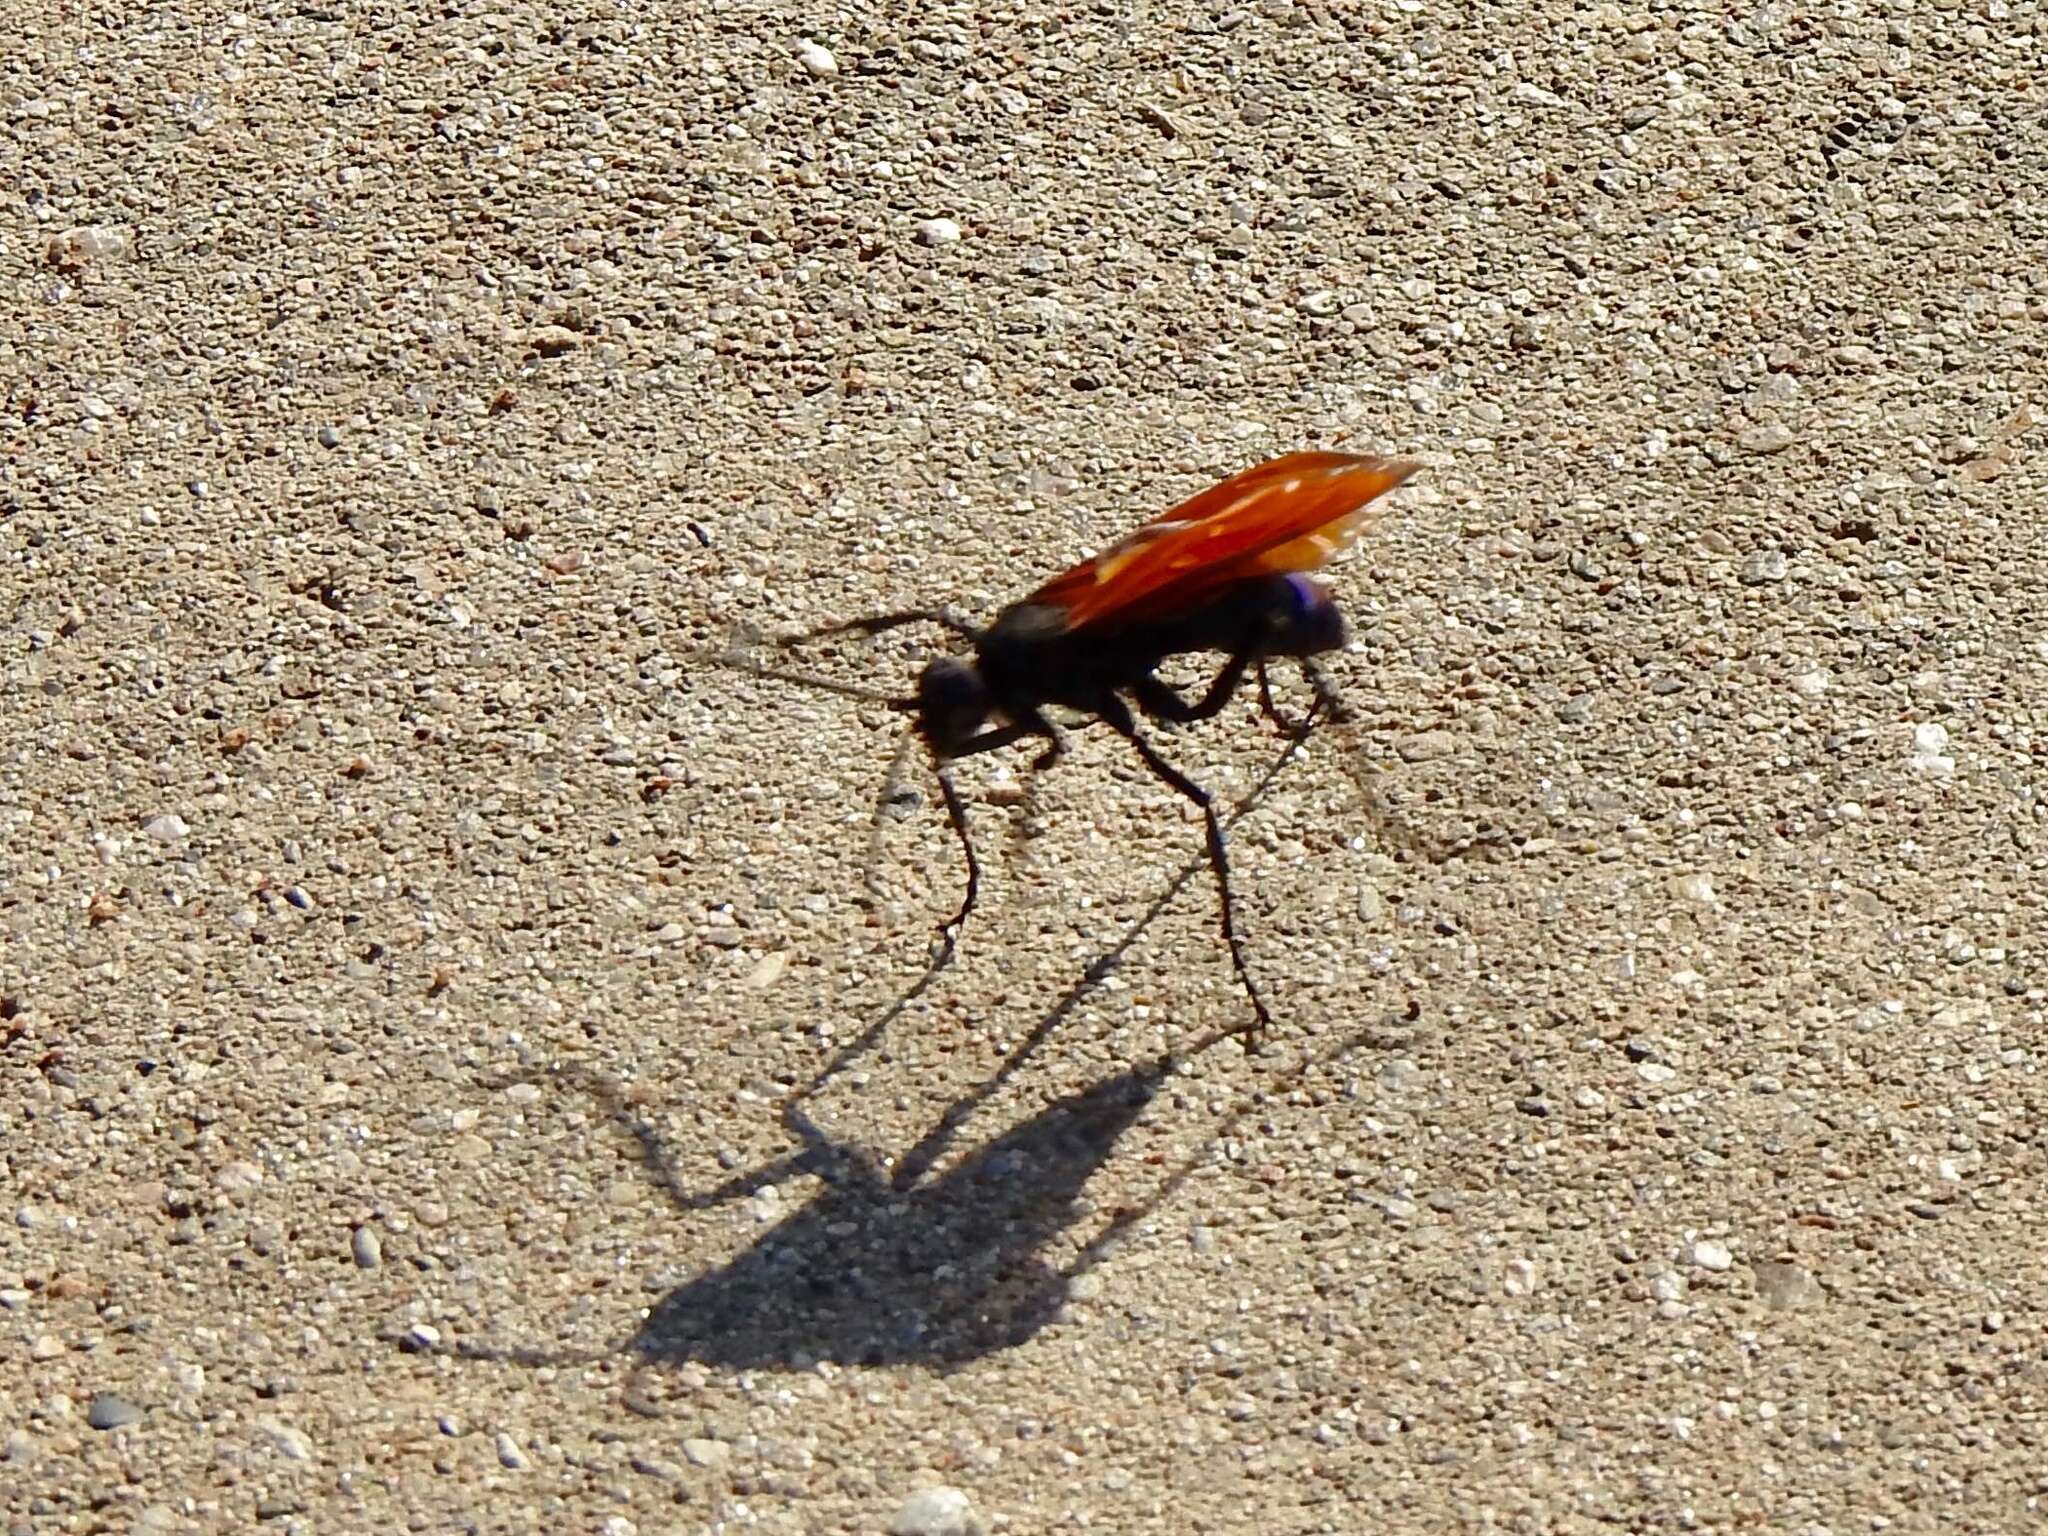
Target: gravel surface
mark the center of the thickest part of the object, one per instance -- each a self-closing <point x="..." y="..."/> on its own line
<point x="462" y="1065"/>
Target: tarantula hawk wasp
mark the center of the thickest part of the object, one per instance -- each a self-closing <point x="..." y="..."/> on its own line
<point x="1224" y="571"/>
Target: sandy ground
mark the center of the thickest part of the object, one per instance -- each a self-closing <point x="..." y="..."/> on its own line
<point x="454" y="1074"/>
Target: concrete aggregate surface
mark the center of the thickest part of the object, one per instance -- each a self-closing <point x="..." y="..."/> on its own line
<point x="468" y="1056"/>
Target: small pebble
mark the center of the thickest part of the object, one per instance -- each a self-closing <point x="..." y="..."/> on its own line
<point x="1766" y="437"/>
<point x="938" y="232"/>
<point x="1930" y="754"/>
<point x="1696" y="888"/>
<point x="1318" y="303"/>
<point x="554" y="341"/>
<point x="1764" y="568"/>
<point x="706" y="1453"/>
<point x="1426" y="746"/>
<point x="509" y="1454"/>
<point x="1708" y="1254"/>
<point x="1783" y="1286"/>
<point x="936" y="1512"/>
<point x="817" y="59"/>
<point x="167" y="828"/>
<point x="111" y="1411"/>
<point x="366" y="1247"/>
<point x="82" y="243"/>
<point x="291" y="1444"/>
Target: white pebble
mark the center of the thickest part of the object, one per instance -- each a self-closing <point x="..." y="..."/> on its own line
<point x="84" y="242"/>
<point x="817" y="59"/>
<point x="239" y="1177"/>
<point x="706" y="1453"/>
<point x="937" y="232"/>
<point x="1708" y="1254"/>
<point x="167" y="828"/>
<point x="1518" y="1277"/>
<point x="936" y="1512"/>
<point x="291" y="1444"/>
<point x="1696" y="888"/>
<point x="1930" y="751"/>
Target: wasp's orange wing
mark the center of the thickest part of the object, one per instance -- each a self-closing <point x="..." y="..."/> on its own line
<point x="1288" y="514"/>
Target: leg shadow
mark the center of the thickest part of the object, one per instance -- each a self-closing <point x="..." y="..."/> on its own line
<point x="877" y="1271"/>
<point x="889" y="1267"/>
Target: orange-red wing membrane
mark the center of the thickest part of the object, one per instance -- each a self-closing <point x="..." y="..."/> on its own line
<point x="1288" y="514"/>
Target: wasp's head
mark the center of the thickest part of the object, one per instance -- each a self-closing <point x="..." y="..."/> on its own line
<point x="952" y="704"/>
<point x="1304" y="619"/>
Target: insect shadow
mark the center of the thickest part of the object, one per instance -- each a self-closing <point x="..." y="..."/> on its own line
<point x="1224" y="572"/>
<point x="893" y="1265"/>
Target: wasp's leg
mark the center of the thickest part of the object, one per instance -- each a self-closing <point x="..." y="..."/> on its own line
<point x="1162" y="703"/>
<point x="1329" y="704"/>
<point x="956" y="814"/>
<point x="1120" y="720"/>
<point x="1028" y="723"/>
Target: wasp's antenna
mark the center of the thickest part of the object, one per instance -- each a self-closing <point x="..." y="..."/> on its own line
<point x="886" y="621"/>
<point x="738" y="656"/>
